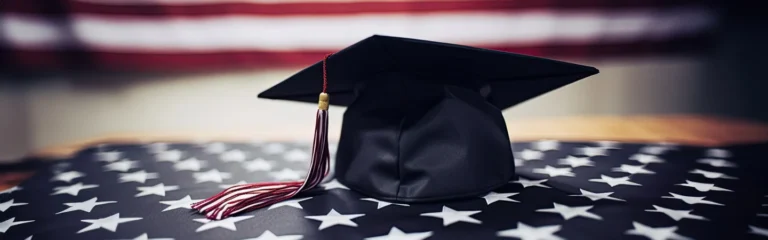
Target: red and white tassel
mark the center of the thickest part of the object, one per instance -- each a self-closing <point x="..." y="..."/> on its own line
<point x="251" y="196"/>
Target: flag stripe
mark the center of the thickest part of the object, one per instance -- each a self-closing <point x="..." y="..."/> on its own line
<point x="315" y="8"/>
<point x="246" y="59"/>
<point x="195" y="34"/>
<point x="244" y="33"/>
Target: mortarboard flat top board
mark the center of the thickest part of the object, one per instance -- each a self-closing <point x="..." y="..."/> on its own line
<point x="512" y="78"/>
<point x="423" y="119"/>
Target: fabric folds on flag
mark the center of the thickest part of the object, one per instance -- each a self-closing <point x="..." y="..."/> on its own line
<point x="563" y="190"/>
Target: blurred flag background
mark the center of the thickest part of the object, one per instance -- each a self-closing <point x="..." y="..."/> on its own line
<point x="77" y="69"/>
<point x="212" y="34"/>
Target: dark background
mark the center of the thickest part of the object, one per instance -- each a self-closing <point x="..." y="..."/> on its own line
<point x="736" y="77"/>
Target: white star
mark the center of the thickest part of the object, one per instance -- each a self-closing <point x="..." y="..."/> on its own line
<point x="451" y="216"/>
<point x="662" y="233"/>
<point x="608" y="144"/>
<point x="230" y="185"/>
<point x="235" y="155"/>
<point x="716" y="162"/>
<point x="526" y="232"/>
<point x="86" y="206"/>
<point x="718" y="153"/>
<point x="752" y="229"/>
<point x="677" y="215"/>
<point x="191" y="164"/>
<point x="215" y="148"/>
<point x="633" y="169"/>
<point x="267" y="235"/>
<point x="122" y="165"/>
<point x="286" y="174"/>
<point x="397" y="234"/>
<point x="333" y="184"/>
<point x="646" y="158"/>
<point x="228" y="223"/>
<point x="273" y="148"/>
<point x="554" y="172"/>
<point x="692" y="200"/>
<point x="169" y="156"/>
<point x="146" y="237"/>
<point x="212" y="175"/>
<point x="258" y="164"/>
<point x="28" y="238"/>
<point x="703" y="187"/>
<point x="597" y="196"/>
<point x="109" y="223"/>
<point x="290" y="203"/>
<point x="546" y="145"/>
<point x="711" y="175"/>
<point x="157" y="147"/>
<point x="591" y="151"/>
<point x="140" y="176"/>
<point x="655" y="150"/>
<point x="575" y="162"/>
<point x="10" y="190"/>
<point x="529" y="155"/>
<point x="531" y="183"/>
<point x="67" y="176"/>
<point x="108" y="156"/>
<point x="334" y="218"/>
<point x="571" y="212"/>
<point x="158" y="189"/>
<point x="296" y="155"/>
<point x="73" y="189"/>
<point x="7" y="224"/>
<point x="185" y="202"/>
<point x="493" y="197"/>
<point x="614" y="181"/>
<point x="380" y="204"/>
<point x="8" y="204"/>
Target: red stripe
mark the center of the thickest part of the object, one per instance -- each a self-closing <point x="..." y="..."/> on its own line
<point x="37" y="60"/>
<point x="284" y="9"/>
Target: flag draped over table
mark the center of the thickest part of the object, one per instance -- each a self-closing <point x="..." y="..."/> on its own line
<point x="195" y="34"/>
<point x="563" y="190"/>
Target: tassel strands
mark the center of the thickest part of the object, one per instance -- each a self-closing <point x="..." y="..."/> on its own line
<point x="251" y="196"/>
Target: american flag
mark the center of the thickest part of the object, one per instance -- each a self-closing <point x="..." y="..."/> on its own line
<point x="213" y="34"/>
<point x="563" y="190"/>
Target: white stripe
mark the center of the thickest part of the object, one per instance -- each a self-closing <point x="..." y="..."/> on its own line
<point x="335" y="32"/>
<point x="33" y="32"/>
<point x="194" y="2"/>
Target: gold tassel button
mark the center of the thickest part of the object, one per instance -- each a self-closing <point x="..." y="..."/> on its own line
<point x="323" y="102"/>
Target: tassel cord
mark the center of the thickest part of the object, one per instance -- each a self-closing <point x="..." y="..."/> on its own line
<point x="245" y="197"/>
<point x="319" y="164"/>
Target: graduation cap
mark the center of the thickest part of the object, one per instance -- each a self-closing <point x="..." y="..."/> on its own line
<point x="423" y="120"/>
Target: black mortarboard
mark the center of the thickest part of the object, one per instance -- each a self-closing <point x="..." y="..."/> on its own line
<point x="423" y="119"/>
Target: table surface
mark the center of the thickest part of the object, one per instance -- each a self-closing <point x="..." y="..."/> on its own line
<point x="683" y="129"/>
